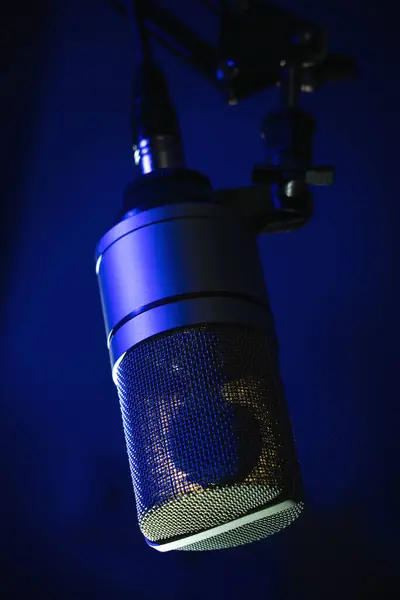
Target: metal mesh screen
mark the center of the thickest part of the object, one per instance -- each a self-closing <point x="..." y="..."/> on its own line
<point x="251" y="532"/>
<point x="207" y="430"/>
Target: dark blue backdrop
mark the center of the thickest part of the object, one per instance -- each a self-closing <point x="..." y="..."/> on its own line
<point x="67" y="510"/>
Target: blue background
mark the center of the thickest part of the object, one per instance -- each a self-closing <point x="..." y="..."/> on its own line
<point x="67" y="510"/>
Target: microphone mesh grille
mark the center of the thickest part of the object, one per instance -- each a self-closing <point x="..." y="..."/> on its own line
<point x="251" y="532"/>
<point x="207" y="432"/>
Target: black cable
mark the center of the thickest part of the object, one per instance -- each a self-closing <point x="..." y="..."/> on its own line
<point x="135" y="12"/>
<point x="139" y="33"/>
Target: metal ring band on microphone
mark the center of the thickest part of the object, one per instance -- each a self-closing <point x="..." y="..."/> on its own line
<point x="185" y="313"/>
<point x="180" y="298"/>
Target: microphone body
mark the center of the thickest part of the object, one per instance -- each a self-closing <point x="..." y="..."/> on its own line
<point x="194" y="358"/>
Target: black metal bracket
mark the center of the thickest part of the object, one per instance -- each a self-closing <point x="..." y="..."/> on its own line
<point x="253" y="44"/>
<point x="261" y="45"/>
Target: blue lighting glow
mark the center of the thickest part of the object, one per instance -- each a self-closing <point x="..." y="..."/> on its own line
<point x="142" y="156"/>
<point x="220" y="72"/>
<point x="71" y="526"/>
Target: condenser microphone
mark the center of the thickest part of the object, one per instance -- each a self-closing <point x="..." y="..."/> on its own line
<point x="194" y="358"/>
<point x="193" y="351"/>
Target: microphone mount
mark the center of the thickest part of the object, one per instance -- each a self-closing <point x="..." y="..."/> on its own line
<point x="260" y="46"/>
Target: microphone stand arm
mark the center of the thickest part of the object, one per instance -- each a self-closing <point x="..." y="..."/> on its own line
<point x="261" y="45"/>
